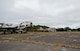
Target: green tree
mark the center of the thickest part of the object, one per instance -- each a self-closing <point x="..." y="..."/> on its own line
<point x="67" y="28"/>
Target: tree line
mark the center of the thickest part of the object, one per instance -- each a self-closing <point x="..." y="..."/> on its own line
<point x="68" y="29"/>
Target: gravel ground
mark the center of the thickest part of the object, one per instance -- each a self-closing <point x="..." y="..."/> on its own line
<point x="60" y="38"/>
<point x="19" y="46"/>
<point x="68" y="49"/>
<point x="49" y="37"/>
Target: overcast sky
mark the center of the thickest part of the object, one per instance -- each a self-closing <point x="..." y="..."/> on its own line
<point x="53" y="13"/>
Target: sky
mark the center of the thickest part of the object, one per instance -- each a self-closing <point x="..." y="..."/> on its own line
<point x="52" y="13"/>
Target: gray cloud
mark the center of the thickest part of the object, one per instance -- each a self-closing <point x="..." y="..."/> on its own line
<point x="54" y="13"/>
